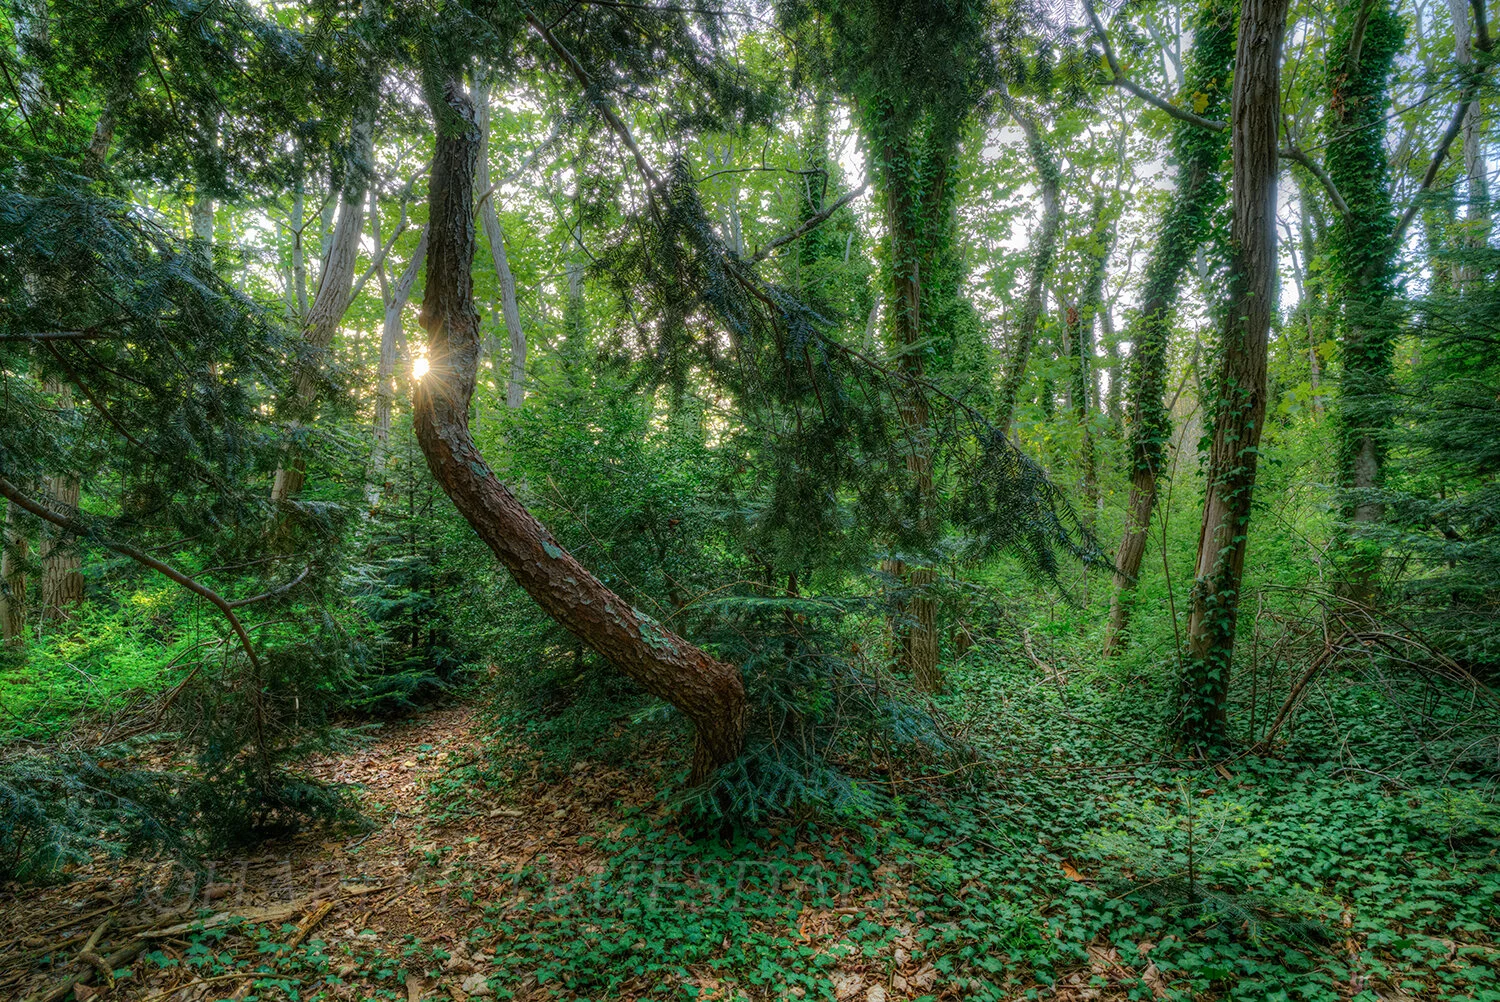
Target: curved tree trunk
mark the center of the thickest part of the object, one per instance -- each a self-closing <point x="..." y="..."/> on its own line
<point x="1185" y="224"/>
<point x="494" y="235"/>
<point x="707" y="691"/>
<point x="1240" y="405"/>
<point x="330" y="301"/>
<point x="1043" y="250"/>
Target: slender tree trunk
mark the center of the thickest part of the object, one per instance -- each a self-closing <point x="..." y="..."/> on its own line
<point x="1200" y="190"/>
<point x="13" y="580"/>
<point x="707" y="691"/>
<point x="1362" y="49"/>
<point x="1240" y="390"/>
<point x="203" y="228"/>
<point x="61" y="560"/>
<point x="331" y="301"/>
<point x="1043" y="250"/>
<point x="515" y="384"/>
<point x="1085" y="391"/>
<point x="1477" y="224"/>
<point x="299" y="247"/>
<point x="392" y="344"/>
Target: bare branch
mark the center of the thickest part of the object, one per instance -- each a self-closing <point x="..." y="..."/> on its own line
<point x="1455" y="126"/>
<point x="601" y="102"/>
<point x="1297" y="156"/>
<point x="810" y="225"/>
<point x="1125" y="83"/>
<point x="83" y="335"/>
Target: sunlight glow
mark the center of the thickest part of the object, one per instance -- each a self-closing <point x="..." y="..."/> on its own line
<point x="419" y="367"/>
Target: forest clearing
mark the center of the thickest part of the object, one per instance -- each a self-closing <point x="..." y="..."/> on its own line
<point x="879" y="500"/>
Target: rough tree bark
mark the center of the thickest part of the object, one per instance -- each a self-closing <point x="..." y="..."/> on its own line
<point x="707" y="691"/>
<point x="515" y="383"/>
<point x="1240" y="384"/>
<point x="331" y="300"/>
<point x="13" y="580"/>
<point x="1199" y="154"/>
<point x="1043" y="250"/>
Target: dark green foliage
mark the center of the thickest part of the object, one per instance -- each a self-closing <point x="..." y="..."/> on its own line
<point x="1441" y="520"/>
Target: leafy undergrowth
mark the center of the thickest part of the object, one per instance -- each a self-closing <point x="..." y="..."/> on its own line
<point x="1077" y="862"/>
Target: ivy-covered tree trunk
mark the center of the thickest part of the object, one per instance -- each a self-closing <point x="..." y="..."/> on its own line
<point x="494" y="235"/>
<point x="1043" y="251"/>
<point x="1199" y="155"/>
<point x="331" y="300"/>
<point x="1239" y="403"/>
<point x="917" y="636"/>
<point x="1361" y="261"/>
<point x="707" y="691"/>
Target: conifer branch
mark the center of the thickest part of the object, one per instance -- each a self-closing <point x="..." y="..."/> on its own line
<point x="12" y="493"/>
<point x="605" y="106"/>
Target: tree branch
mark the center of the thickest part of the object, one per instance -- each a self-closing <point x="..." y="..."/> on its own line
<point x="810" y="225"/>
<point x="1297" y="156"/>
<point x="278" y="590"/>
<point x="601" y="101"/>
<point x="83" y="335"/>
<point x="1125" y="83"/>
<point x="1455" y="126"/>
<point x="12" y="493"/>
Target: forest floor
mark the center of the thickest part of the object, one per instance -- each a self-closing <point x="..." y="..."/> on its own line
<point x="408" y="909"/>
<point x="486" y="872"/>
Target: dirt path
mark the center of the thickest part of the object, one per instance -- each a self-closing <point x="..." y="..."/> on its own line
<point x="421" y="876"/>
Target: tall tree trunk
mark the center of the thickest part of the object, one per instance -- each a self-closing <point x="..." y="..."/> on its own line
<point x="1043" y="250"/>
<point x="1240" y="390"/>
<point x="1199" y="154"/>
<point x="331" y="300"/>
<point x="392" y="345"/>
<point x="707" y="691"/>
<point x="61" y="560"/>
<point x="917" y="635"/>
<point x="202" y="213"/>
<point x="1362" y="254"/>
<point x="299" y="245"/>
<point x="1476" y="229"/>
<point x="515" y="383"/>
<point x="1085" y="389"/>
<point x="13" y="580"/>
